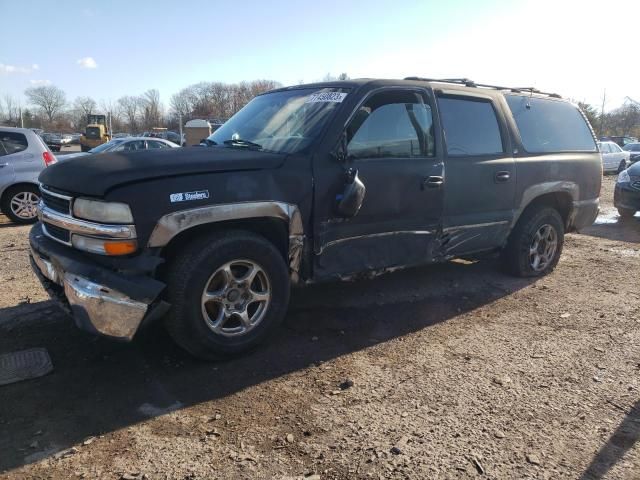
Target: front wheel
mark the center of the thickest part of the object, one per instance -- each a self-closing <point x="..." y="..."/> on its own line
<point x="622" y="166"/>
<point x="228" y="293"/>
<point x="20" y="203"/>
<point x="535" y="244"/>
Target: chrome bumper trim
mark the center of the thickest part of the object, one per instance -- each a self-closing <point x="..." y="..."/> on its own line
<point x="83" y="227"/>
<point x="109" y="312"/>
<point x="95" y="307"/>
<point x="46" y="268"/>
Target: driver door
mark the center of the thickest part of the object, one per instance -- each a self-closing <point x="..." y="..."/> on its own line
<point x="390" y="142"/>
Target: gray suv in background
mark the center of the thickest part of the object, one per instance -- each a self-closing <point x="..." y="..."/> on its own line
<point x="23" y="155"/>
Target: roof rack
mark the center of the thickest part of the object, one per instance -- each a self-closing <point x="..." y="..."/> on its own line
<point x="470" y="83"/>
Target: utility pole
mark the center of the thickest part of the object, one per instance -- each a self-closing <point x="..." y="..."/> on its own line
<point x="180" y="123"/>
<point x="604" y="99"/>
<point x="21" y="119"/>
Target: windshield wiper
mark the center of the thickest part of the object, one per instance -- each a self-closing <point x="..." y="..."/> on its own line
<point x="242" y="143"/>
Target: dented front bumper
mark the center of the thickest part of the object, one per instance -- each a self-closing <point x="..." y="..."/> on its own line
<point x="101" y="301"/>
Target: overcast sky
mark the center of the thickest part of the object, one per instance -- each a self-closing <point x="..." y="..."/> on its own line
<point x="109" y="49"/>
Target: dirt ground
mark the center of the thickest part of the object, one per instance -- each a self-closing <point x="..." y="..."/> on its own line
<point x="458" y="371"/>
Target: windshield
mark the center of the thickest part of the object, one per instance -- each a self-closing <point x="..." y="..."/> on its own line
<point x="284" y="122"/>
<point x="105" y="147"/>
<point x="632" y="147"/>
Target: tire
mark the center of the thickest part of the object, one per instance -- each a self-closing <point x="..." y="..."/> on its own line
<point x="626" y="212"/>
<point x="622" y="166"/>
<point x="19" y="203"/>
<point x="518" y="256"/>
<point x="192" y="323"/>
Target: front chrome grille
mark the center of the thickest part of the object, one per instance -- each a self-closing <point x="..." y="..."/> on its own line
<point x="636" y="184"/>
<point x="57" y="233"/>
<point x="56" y="201"/>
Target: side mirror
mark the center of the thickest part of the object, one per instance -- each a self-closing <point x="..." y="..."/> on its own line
<point x="350" y="201"/>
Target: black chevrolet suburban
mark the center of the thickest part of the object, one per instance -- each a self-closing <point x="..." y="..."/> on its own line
<point x="316" y="182"/>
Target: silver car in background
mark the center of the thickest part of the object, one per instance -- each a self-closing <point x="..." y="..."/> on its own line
<point x="124" y="144"/>
<point x="23" y="155"/>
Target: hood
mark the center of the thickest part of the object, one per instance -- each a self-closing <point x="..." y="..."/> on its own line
<point x="96" y="174"/>
<point x="634" y="169"/>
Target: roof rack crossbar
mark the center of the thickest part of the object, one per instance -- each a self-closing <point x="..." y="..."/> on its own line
<point x="470" y="83"/>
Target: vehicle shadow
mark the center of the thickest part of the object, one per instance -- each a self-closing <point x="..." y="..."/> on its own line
<point x="622" y="440"/>
<point x="611" y="226"/>
<point x="99" y="386"/>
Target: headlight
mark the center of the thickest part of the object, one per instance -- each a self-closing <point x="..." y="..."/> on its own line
<point x="103" y="212"/>
<point x="623" y="177"/>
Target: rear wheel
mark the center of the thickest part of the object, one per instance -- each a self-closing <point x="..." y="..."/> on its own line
<point x="20" y="203"/>
<point x="535" y="245"/>
<point x="626" y="212"/>
<point x="228" y="293"/>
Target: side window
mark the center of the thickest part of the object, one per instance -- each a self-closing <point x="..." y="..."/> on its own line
<point x="154" y="144"/>
<point x="604" y="148"/>
<point x="13" y="142"/>
<point x="470" y="127"/>
<point x="393" y="124"/>
<point x="548" y="125"/>
<point x="134" y="145"/>
<point x="615" y="148"/>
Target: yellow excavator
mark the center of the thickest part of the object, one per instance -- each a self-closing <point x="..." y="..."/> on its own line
<point x="96" y="132"/>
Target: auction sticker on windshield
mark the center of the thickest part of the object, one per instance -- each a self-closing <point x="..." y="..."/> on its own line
<point x="336" y="97"/>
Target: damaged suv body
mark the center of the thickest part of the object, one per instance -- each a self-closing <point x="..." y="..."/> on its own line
<point x="310" y="183"/>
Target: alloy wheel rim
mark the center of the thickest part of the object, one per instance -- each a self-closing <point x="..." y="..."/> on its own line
<point x="543" y="247"/>
<point x="25" y="205"/>
<point x="235" y="298"/>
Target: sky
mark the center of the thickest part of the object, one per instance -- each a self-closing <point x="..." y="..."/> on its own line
<point x="108" y="49"/>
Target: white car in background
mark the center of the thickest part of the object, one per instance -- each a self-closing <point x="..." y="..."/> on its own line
<point x="614" y="159"/>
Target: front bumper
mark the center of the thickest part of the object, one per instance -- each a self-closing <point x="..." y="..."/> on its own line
<point x="101" y="301"/>
<point x="626" y="196"/>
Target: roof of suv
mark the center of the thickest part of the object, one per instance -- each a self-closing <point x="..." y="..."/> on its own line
<point x="457" y="84"/>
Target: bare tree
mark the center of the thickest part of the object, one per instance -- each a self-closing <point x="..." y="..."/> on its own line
<point x="130" y="109"/>
<point x="82" y="106"/>
<point x="590" y="112"/>
<point x="49" y="98"/>
<point x="151" y="108"/>
<point x="11" y="110"/>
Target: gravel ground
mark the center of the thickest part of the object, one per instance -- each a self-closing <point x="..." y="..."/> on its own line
<point x="452" y="371"/>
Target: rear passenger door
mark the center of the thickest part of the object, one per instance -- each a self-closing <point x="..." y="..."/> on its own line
<point x="479" y="173"/>
<point x="15" y="159"/>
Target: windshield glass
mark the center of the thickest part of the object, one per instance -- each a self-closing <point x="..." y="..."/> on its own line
<point x="105" y="147"/>
<point x="632" y="147"/>
<point x="284" y="122"/>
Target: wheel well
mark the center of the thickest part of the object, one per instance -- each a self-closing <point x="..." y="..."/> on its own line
<point x="11" y="187"/>
<point x="273" y="229"/>
<point x="561" y="201"/>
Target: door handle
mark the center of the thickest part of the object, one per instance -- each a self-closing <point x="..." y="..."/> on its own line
<point x="2" y="165"/>
<point x="501" y="177"/>
<point x="432" y="182"/>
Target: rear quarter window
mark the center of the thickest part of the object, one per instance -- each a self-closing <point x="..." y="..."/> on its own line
<point x="547" y="125"/>
<point x="12" y="142"/>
